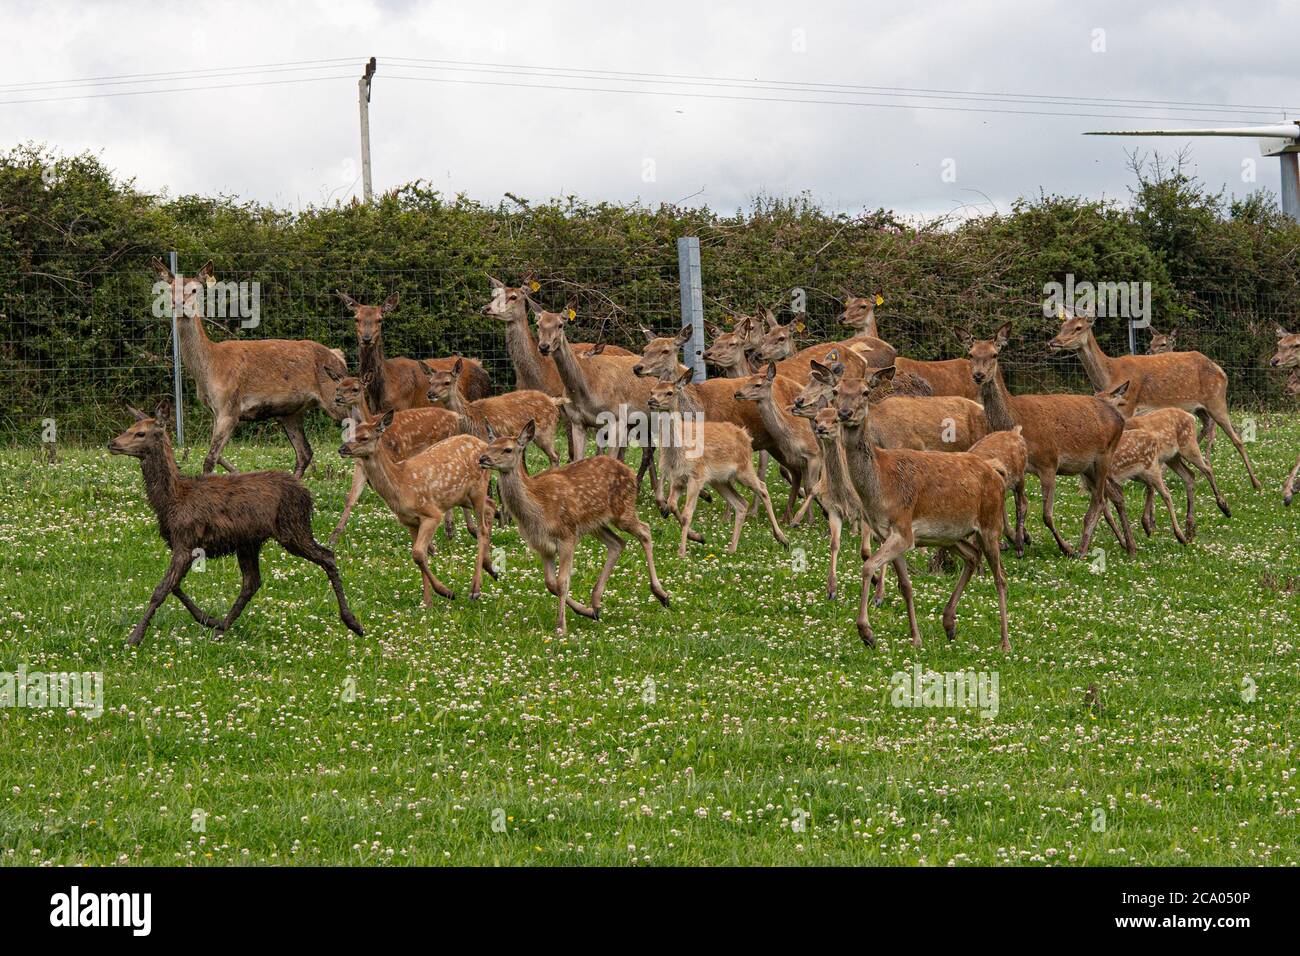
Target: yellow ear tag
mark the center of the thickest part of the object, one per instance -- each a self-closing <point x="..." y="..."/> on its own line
<point x="210" y="280"/>
<point x="534" y="285"/>
<point x="880" y="299"/>
<point x="1060" y="312"/>
<point x="798" y="326"/>
<point x="572" y="314"/>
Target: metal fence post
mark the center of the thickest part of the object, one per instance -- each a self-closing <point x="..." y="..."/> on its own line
<point x="688" y="268"/>
<point x="177" y="402"/>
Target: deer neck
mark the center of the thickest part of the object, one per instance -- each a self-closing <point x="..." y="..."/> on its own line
<point x="777" y="422"/>
<point x="371" y="359"/>
<point x="1096" y="363"/>
<point x="525" y="506"/>
<point x="571" y="374"/>
<point x="522" y="349"/>
<point x="835" y="463"/>
<point x="196" y="347"/>
<point x="469" y="420"/>
<point x="863" y="467"/>
<point x="997" y="403"/>
<point x="161" y="481"/>
<point x="384" y="473"/>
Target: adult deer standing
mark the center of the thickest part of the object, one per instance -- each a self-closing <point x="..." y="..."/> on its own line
<point x="945" y="499"/>
<point x="799" y="449"/>
<point x="1065" y="435"/>
<point x="554" y="508"/>
<point x="398" y="383"/>
<point x="533" y="370"/>
<point x="216" y="515"/>
<point x="1186" y="380"/>
<point x="1287" y="356"/>
<point x="249" y="381"/>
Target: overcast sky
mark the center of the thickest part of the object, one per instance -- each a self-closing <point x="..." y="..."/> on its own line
<point x="297" y="143"/>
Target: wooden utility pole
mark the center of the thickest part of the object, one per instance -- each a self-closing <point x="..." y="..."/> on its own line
<point x="363" y="99"/>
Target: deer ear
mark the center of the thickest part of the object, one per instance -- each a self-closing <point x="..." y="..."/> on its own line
<point x="1173" y="334"/>
<point x="1003" y="335"/>
<point x="965" y="338"/>
<point x="527" y="434"/>
<point x="684" y="378"/>
<point x="1119" y="390"/>
<point x="685" y="334"/>
<point x="206" y="272"/>
<point x="771" y="372"/>
<point x="333" y="375"/>
<point x="425" y="368"/>
<point x="882" y="375"/>
<point x="139" y="415"/>
<point x="832" y="356"/>
<point x="1281" y="332"/>
<point x="350" y="302"/>
<point x="649" y="336"/>
<point x="770" y="318"/>
<point x="458" y="367"/>
<point x="162" y="413"/>
<point x="491" y="433"/>
<point x="390" y="303"/>
<point x="160" y="269"/>
<point x="386" y="421"/>
<point x="570" y="308"/>
<point x="496" y="283"/>
<point x="837" y="369"/>
<point x="597" y="349"/>
<point x="712" y="329"/>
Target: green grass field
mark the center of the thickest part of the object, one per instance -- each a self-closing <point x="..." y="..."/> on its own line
<point x="745" y="725"/>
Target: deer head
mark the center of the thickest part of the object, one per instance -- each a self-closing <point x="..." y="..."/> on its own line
<point x="366" y="435"/>
<point x="1074" y="333"/>
<point x="550" y="329"/>
<point x="442" y="382"/>
<point x="369" y="318"/>
<point x="146" y="434"/>
<point x="984" y="353"/>
<point x="509" y="302"/>
<point x="183" y="290"/>
<point x="852" y="396"/>
<point x="666" y="395"/>
<point x="349" y="389"/>
<point x="757" y="387"/>
<point x="1288" y="350"/>
<point x="1161" y="343"/>
<point x="505" y="454"/>
<point x="826" y="423"/>
<point x="660" y="355"/>
<point x="777" y="342"/>
<point x="727" y="348"/>
<point x="1118" y="398"/>
<point x="817" y="393"/>
<point x="859" y="314"/>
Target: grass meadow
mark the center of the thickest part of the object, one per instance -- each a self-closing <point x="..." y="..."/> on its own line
<point x="1147" y="713"/>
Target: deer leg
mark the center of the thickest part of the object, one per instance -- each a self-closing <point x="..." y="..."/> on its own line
<point x="970" y="562"/>
<point x="577" y="441"/>
<point x="200" y="615"/>
<point x="987" y="539"/>
<point x="1192" y="453"/>
<point x="423" y="538"/>
<point x="905" y="588"/>
<point x="634" y="526"/>
<point x="693" y="485"/>
<point x="545" y="440"/>
<point x="180" y="564"/>
<point x="752" y="482"/>
<point x="313" y="551"/>
<point x="1157" y="481"/>
<point x="812" y="480"/>
<point x="250" y="565"/>
<point x="1048" y="481"/>
<point x="1022" y="506"/>
<point x="1116" y="494"/>
<point x="1207" y="430"/>
<point x="738" y="506"/>
<point x="614" y="546"/>
<point x="1289" y="487"/>
<point x="298" y="439"/>
<point x="864" y="551"/>
<point x="1178" y="465"/>
<point x="222" y="429"/>
<point x="898" y="543"/>
<point x="836" y="525"/>
<point x="1100" y="476"/>
<point x="1220" y="414"/>
<point x="796" y="483"/>
<point x="358" y="486"/>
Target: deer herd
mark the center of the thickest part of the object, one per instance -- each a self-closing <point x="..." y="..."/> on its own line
<point x="908" y="453"/>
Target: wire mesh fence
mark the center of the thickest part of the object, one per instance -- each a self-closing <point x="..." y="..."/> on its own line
<point x="75" y="345"/>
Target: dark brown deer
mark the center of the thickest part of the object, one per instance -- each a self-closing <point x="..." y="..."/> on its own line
<point x="217" y="515"/>
<point x="1186" y="380"/>
<point x="249" y="381"/>
<point x="398" y="383"/>
<point x="943" y="499"/>
<point x="1065" y="434"/>
<point x="594" y="496"/>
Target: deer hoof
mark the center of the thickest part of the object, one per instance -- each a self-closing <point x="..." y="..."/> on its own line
<point x="475" y="595"/>
<point x="136" y="637"/>
<point x="1285" y="501"/>
<point x="868" y="638"/>
<point x="595" y="614"/>
<point x="831" y="595"/>
<point x="950" y="628"/>
<point x="663" y="598"/>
